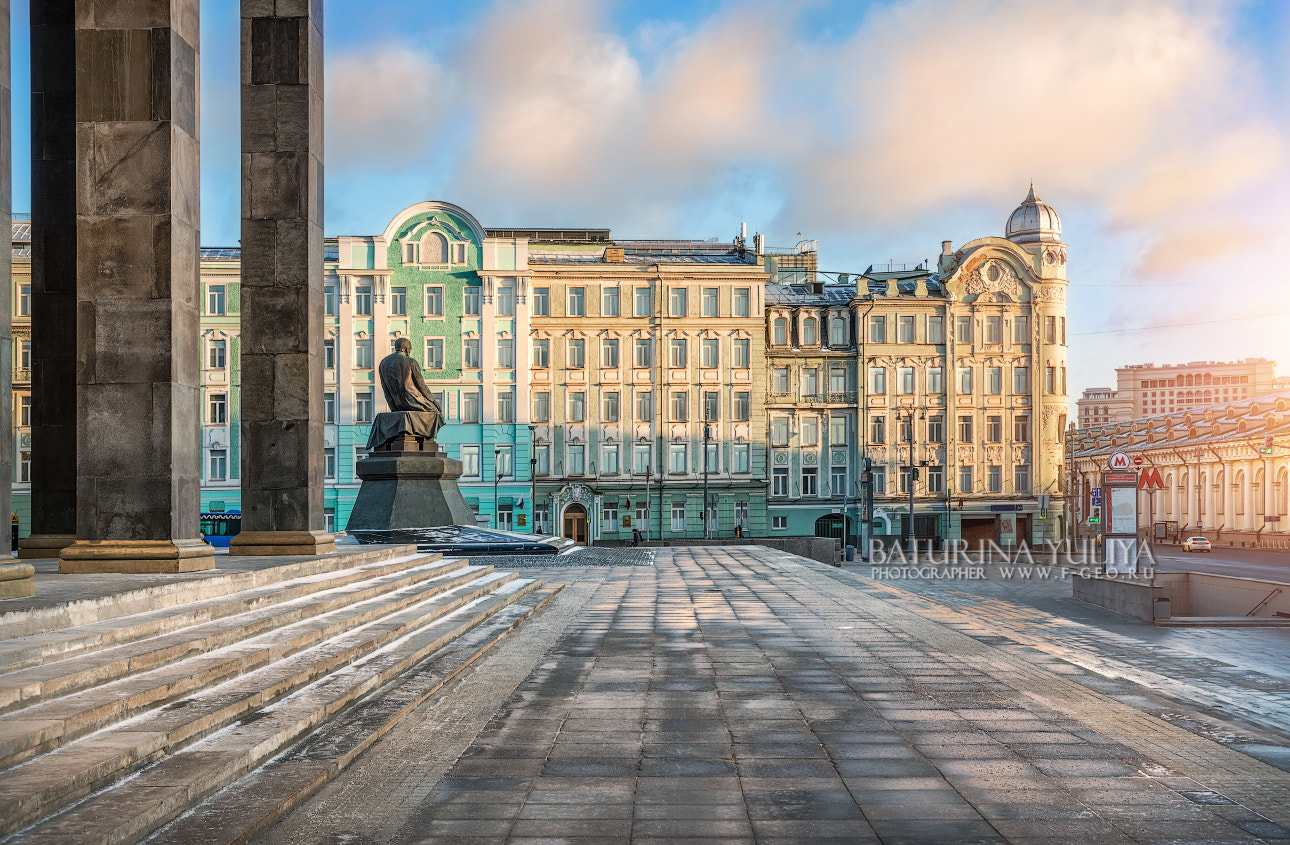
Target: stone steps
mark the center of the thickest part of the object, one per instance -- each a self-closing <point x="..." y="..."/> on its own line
<point x="205" y="704"/>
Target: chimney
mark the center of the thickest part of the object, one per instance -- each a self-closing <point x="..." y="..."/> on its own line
<point x="946" y="248"/>
<point x="614" y="255"/>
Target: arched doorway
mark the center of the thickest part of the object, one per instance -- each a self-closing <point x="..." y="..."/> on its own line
<point x="832" y="525"/>
<point x="575" y="524"/>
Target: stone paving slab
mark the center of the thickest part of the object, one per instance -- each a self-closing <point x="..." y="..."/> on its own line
<point x="745" y="695"/>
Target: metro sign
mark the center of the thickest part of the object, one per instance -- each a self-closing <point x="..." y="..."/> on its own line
<point x="1120" y="461"/>
<point x="1150" y="479"/>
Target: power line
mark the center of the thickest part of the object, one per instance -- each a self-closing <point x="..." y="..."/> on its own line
<point x="1181" y="325"/>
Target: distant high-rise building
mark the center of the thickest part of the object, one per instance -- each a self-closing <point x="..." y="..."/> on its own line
<point x="1144" y="390"/>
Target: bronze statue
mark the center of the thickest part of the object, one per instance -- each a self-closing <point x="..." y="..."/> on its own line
<point x="405" y="389"/>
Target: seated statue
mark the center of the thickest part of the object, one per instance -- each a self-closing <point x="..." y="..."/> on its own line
<point x="405" y="389"/>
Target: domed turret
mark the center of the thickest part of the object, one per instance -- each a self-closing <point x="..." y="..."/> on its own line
<point x="1034" y="221"/>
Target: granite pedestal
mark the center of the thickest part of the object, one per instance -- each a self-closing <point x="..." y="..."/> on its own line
<point x="408" y="482"/>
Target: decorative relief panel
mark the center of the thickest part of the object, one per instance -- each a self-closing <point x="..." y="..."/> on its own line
<point x="993" y="276"/>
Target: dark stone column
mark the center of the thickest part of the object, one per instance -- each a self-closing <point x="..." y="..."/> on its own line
<point x="53" y="279"/>
<point x="6" y="272"/>
<point x="282" y="300"/>
<point x="137" y="218"/>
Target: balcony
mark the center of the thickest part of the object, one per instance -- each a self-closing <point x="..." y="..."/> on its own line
<point x="21" y="374"/>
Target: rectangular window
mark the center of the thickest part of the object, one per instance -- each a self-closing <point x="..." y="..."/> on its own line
<point x="218" y="465"/>
<point x="964" y="380"/>
<point x="541" y="302"/>
<point x="577" y="464"/>
<point x="471" y="357"/>
<point x="329" y="462"/>
<point x="712" y="458"/>
<point x="505" y="352"/>
<point x="837" y="430"/>
<point x="906" y="429"/>
<point x="329" y="407"/>
<point x="712" y="407"/>
<point x="363" y="300"/>
<point x="741" y="302"/>
<point x="779" y="431"/>
<point x="577" y="302"/>
<point x="542" y="406"/>
<point x="678" y="517"/>
<point x="363" y="407"/>
<point x="503" y="462"/>
<point x="935" y="329"/>
<point x="710" y="352"/>
<point x="1050" y="330"/>
<point x="710" y="306"/>
<point x="963" y="329"/>
<point x="905" y="329"/>
<point x="877" y="381"/>
<point x="642" y="299"/>
<point x="676" y="353"/>
<point x="609" y="407"/>
<point x="994" y="429"/>
<point x="994" y="478"/>
<point x="398" y="301"/>
<point x="994" y="329"/>
<point x="470" y="407"/>
<point x="329" y="353"/>
<point x="1061" y="330"/>
<point x="935" y="381"/>
<point x="679" y="406"/>
<point x="676" y="458"/>
<point x="906" y="380"/>
<point x="609" y="302"/>
<point x="742" y="406"/>
<point x="1021" y="429"/>
<point x="810" y="481"/>
<point x="740" y="457"/>
<point x="1050" y="379"/>
<point x="965" y="478"/>
<point x="434" y="301"/>
<point x="1063" y="381"/>
<point x="472" y="304"/>
<point x="360" y="452"/>
<point x="576" y="354"/>
<point x="965" y="429"/>
<point x="905" y="479"/>
<point x="505" y="301"/>
<point x="363" y="357"/>
<point x="837" y="380"/>
<point x="877" y="328"/>
<point x="779" y="380"/>
<point x="677" y="302"/>
<point x="809" y="431"/>
<point x="644" y="405"/>
<point x="642" y="355"/>
<point x="1020" y="380"/>
<point x="542" y="454"/>
<point x="780" y="483"/>
<point x="610" y="517"/>
<point x="577" y="406"/>
<point x="1021" y="479"/>
<point x="994" y="380"/>
<point x="779" y="332"/>
<point x="217" y="354"/>
<point x="434" y="353"/>
<point x="24" y="410"/>
<point x="1021" y="329"/>
<point x="838" y="335"/>
<point x="640" y="458"/>
<point x="506" y="407"/>
<point x="936" y="428"/>
<point x="878" y="430"/>
<point x="470" y="461"/>
<point x="838" y="481"/>
<point x="217" y="409"/>
<point x="214" y="300"/>
<point x="811" y="382"/>
<point x="879" y="474"/>
<point x="740" y="348"/>
<point x="329" y="300"/>
<point x="779" y="523"/>
<point x="609" y="353"/>
<point x="936" y="480"/>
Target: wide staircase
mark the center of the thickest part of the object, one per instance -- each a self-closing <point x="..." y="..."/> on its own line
<point x="216" y="705"/>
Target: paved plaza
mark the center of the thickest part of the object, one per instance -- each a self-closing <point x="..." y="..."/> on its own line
<point x="744" y="695"/>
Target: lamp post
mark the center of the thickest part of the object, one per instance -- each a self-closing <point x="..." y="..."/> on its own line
<point x="1200" y="453"/>
<point x="913" y="478"/>
<point x="707" y="435"/>
<point x="533" y="475"/>
<point x="497" y="510"/>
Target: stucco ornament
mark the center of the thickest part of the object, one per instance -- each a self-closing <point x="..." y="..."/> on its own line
<point x="994" y="277"/>
<point x="1051" y="293"/>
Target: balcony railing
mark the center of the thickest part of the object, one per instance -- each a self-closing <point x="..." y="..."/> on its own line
<point x="21" y="374"/>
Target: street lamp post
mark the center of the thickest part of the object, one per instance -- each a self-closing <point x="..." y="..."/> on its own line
<point x="497" y="510"/>
<point x="707" y="434"/>
<point x="533" y="475"/>
<point x="1200" y="453"/>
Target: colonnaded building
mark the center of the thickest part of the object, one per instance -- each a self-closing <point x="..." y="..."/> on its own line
<point x="595" y="386"/>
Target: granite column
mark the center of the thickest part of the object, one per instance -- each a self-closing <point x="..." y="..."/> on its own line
<point x="6" y="269"/>
<point x="53" y="279"/>
<point x="138" y="490"/>
<point x="282" y="290"/>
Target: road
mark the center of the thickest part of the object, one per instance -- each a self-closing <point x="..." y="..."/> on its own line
<point x="1239" y="563"/>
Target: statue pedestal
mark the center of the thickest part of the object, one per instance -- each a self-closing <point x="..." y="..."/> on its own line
<point x="408" y="482"/>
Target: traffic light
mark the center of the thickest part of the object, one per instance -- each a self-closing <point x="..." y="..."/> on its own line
<point x="1267" y="445"/>
<point x="1095" y="515"/>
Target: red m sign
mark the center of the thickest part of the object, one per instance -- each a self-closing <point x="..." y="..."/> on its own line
<point x="1149" y="479"/>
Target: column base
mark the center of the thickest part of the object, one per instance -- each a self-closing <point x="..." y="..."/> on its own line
<point x="17" y="580"/>
<point x="43" y="545"/>
<point x="136" y="556"/>
<point x="270" y="543"/>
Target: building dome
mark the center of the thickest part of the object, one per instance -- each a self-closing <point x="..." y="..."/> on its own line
<point x="1034" y="221"/>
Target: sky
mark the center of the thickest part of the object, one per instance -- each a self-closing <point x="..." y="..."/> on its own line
<point x="1158" y="130"/>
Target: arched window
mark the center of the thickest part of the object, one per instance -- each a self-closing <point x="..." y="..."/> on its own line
<point x="780" y="332"/>
<point x="809" y="332"/>
<point x="434" y="249"/>
<point x="838" y="332"/>
<point x="1208" y="378"/>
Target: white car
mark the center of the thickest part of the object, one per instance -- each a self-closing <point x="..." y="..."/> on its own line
<point x="1196" y="544"/>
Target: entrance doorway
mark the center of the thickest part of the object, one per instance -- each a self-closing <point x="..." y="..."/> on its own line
<point x="835" y="526"/>
<point x="978" y="531"/>
<point x="575" y="524"/>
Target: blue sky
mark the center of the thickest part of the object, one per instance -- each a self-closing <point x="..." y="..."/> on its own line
<point x="1158" y="131"/>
